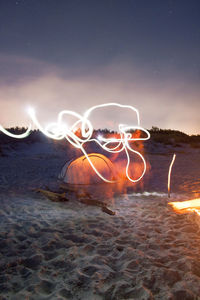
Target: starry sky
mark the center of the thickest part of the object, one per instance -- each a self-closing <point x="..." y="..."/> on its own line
<point x="72" y="54"/>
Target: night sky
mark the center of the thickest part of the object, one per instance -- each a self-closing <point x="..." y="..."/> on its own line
<point x="64" y="54"/>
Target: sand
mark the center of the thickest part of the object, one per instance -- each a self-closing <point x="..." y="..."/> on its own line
<point x="74" y="251"/>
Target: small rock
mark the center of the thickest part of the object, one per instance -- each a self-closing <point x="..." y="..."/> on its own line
<point x="140" y="293"/>
<point x="134" y="264"/>
<point x="50" y="255"/>
<point x="196" y="268"/>
<point x="150" y="281"/>
<point x="109" y="292"/>
<point x="88" y="248"/>
<point x="65" y="293"/>
<point x="25" y="273"/>
<point x="90" y="270"/>
<point x="171" y="277"/>
<point x="183" y="295"/>
<point x="120" y="248"/>
<point x="62" y="264"/>
<point x="46" y="287"/>
<point x="4" y="288"/>
<point x="76" y="239"/>
<point x="33" y="262"/>
<point x="83" y="280"/>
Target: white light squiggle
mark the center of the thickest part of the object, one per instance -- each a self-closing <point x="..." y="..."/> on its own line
<point x="59" y="130"/>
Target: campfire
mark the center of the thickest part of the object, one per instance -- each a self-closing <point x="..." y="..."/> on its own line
<point x="186" y="206"/>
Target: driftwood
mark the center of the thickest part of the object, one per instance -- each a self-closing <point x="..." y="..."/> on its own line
<point x="94" y="202"/>
<point x="56" y="197"/>
<point x="67" y="187"/>
<point x="83" y="196"/>
<point x="80" y="192"/>
<point x="108" y="211"/>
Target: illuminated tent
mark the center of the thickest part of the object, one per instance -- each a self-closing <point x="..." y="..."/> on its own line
<point x="79" y="171"/>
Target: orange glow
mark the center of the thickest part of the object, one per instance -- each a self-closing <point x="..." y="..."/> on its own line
<point x="186" y="206"/>
<point x="82" y="133"/>
<point x="59" y="130"/>
<point x="79" y="171"/>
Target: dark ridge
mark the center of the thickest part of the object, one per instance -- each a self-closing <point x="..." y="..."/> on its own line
<point x="158" y="135"/>
<point x="173" y="137"/>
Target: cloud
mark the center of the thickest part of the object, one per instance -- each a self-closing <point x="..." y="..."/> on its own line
<point x="15" y="69"/>
<point x="167" y="103"/>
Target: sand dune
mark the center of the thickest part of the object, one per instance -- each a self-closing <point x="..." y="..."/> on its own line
<point x="73" y="251"/>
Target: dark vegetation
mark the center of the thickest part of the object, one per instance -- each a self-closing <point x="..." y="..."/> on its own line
<point x="174" y="137"/>
<point x="13" y="143"/>
<point x="163" y="136"/>
<point x="35" y="136"/>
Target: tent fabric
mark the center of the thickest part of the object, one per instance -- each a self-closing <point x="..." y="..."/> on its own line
<point x="79" y="170"/>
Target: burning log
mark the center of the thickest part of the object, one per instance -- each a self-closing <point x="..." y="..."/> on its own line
<point x="56" y="197"/>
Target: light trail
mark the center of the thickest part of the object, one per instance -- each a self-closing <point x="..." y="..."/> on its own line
<point x="58" y="130"/>
<point x="169" y="174"/>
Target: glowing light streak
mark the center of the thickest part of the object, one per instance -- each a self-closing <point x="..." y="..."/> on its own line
<point x="58" y="130"/>
<point x="169" y="174"/>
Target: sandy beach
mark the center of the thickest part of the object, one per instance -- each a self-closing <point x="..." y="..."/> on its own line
<point x="99" y="150"/>
<point x="74" y="251"/>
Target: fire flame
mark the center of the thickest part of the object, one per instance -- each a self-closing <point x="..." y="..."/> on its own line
<point x="169" y="174"/>
<point x="123" y="142"/>
<point x="186" y="206"/>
